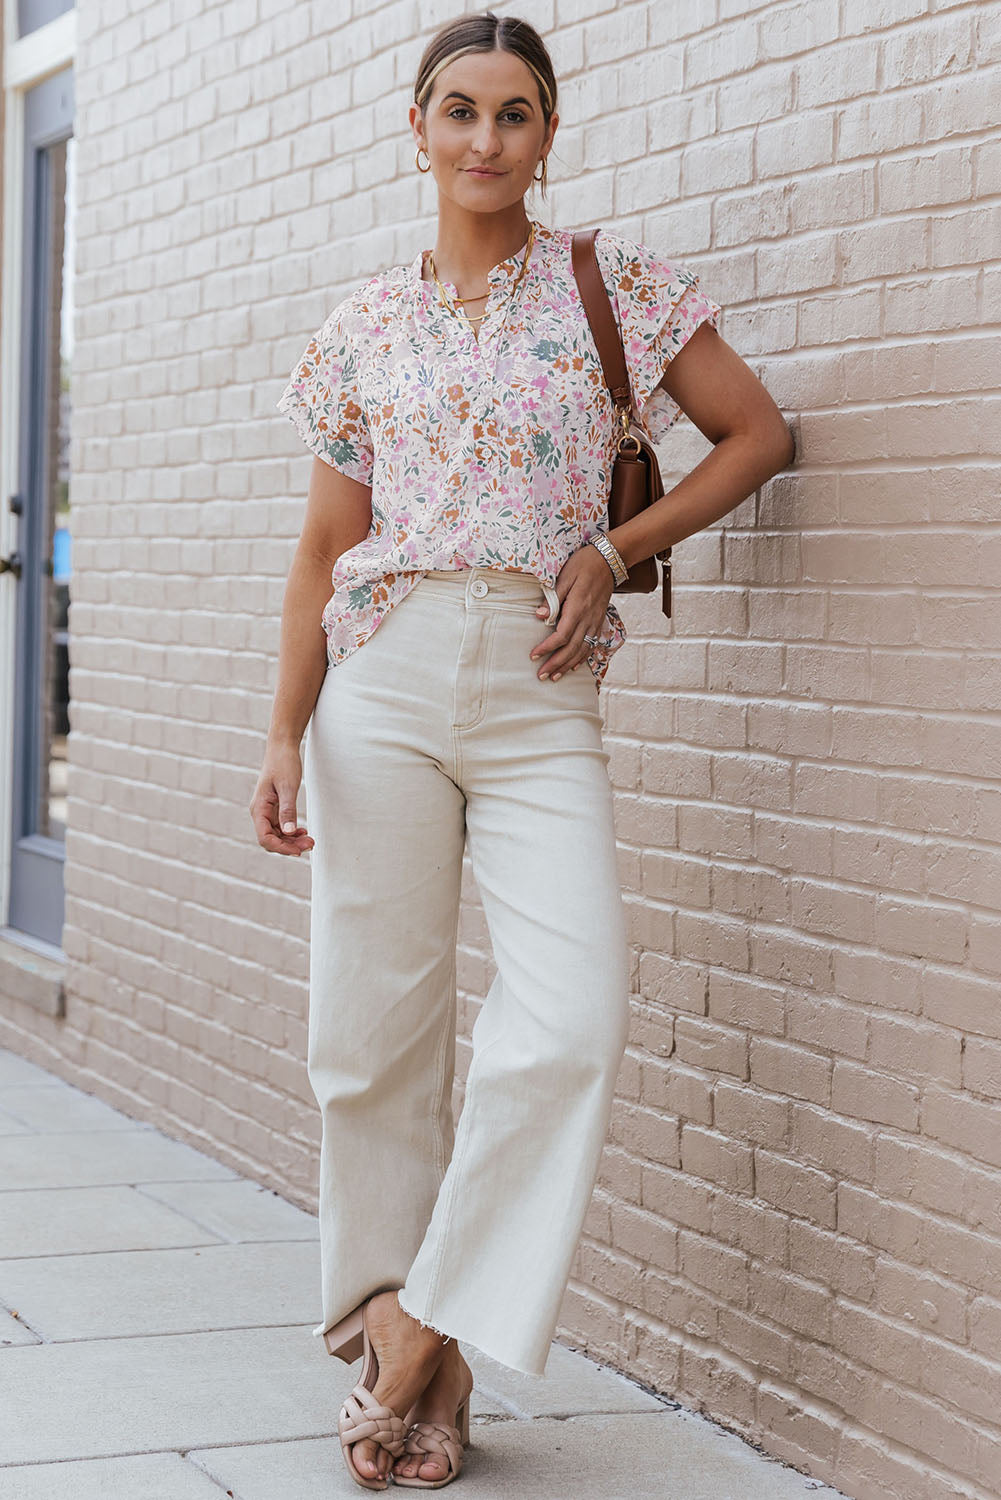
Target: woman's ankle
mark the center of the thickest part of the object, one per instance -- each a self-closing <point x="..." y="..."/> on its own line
<point x="443" y="1340"/>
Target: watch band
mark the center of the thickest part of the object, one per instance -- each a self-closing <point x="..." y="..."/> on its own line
<point x="610" y="553"/>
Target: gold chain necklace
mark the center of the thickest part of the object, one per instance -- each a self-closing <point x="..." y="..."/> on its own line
<point x="446" y="300"/>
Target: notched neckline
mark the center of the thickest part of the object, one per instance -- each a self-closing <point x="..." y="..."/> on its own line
<point x="503" y="271"/>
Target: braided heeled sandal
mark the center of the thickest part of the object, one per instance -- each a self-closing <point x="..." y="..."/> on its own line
<point x="427" y="1438"/>
<point x="361" y="1416"/>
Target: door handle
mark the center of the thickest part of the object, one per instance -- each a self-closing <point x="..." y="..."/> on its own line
<point x="11" y="564"/>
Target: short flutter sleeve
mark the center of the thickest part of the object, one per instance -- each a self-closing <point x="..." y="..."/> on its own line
<point x="659" y="304"/>
<point x="323" y="400"/>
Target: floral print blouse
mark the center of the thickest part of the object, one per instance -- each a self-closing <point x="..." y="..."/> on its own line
<point x="493" y="452"/>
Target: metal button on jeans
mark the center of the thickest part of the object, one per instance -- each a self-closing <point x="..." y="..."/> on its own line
<point x="478" y="588"/>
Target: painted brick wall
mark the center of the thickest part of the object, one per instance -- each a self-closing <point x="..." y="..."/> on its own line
<point x="798" y="1223"/>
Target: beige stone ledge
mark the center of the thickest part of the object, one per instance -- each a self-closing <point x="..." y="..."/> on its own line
<point x="31" y="976"/>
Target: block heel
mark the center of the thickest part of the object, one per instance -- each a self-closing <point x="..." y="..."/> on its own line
<point x="347" y="1338"/>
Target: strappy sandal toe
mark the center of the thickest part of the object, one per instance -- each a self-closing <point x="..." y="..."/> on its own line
<point x="361" y="1415"/>
<point x="427" y="1438"/>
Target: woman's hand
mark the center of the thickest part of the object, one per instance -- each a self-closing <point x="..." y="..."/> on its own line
<point x="584" y="586"/>
<point x="272" y="806"/>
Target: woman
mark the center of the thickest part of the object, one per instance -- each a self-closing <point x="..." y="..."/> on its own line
<point x="463" y="439"/>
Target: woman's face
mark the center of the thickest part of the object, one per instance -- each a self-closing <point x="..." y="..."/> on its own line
<point x="484" y="112"/>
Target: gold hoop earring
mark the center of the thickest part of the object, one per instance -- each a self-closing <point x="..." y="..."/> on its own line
<point x="417" y="160"/>
<point x="541" y="179"/>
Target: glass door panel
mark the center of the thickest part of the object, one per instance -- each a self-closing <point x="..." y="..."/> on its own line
<point x="42" y="562"/>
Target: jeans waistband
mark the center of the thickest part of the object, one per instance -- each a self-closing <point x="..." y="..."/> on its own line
<point x="484" y="586"/>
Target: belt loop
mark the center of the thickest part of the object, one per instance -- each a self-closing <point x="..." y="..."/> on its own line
<point x="553" y="600"/>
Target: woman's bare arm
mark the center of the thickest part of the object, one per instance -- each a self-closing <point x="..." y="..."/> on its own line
<point x="338" y="516"/>
<point x="752" y="442"/>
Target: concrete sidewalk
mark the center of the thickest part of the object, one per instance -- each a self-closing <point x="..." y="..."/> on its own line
<point x="155" y="1317"/>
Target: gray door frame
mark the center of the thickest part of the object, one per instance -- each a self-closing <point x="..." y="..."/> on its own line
<point x="37" y="861"/>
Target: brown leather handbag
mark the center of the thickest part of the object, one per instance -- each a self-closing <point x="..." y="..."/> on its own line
<point x="636" y="479"/>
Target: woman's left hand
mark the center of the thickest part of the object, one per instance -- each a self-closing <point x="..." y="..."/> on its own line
<point x="584" y="587"/>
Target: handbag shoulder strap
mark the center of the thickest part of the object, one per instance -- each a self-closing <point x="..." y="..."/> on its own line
<point x="600" y="315"/>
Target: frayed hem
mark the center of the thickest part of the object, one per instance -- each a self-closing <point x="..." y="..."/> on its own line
<point x="439" y="1331"/>
<point x="456" y="1338"/>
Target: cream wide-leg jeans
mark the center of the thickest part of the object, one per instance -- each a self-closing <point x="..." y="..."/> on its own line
<point x="434" y="734"/>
